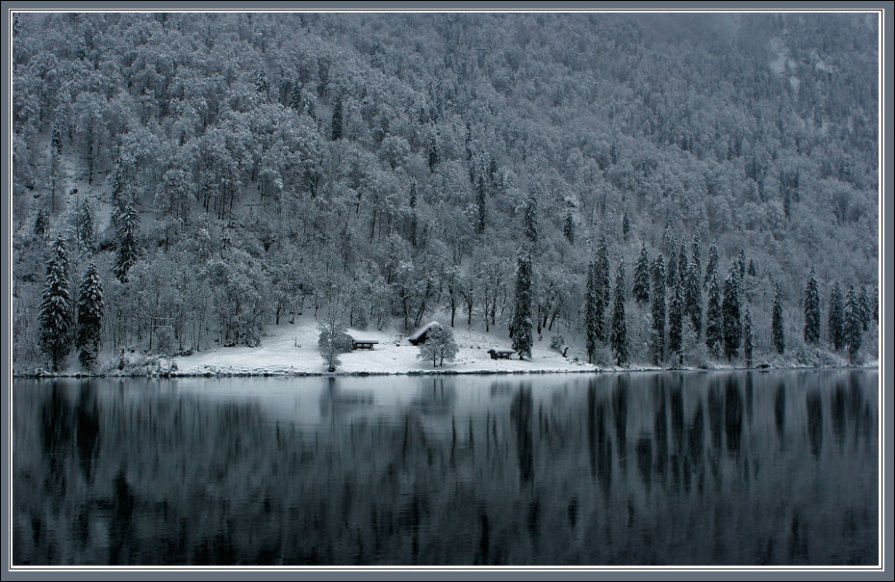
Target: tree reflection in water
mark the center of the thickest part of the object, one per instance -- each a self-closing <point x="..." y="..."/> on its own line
<point x="724" y="468"/>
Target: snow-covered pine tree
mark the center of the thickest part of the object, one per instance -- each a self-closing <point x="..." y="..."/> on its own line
<point x="866" y="308"/>
<point x="658" y="310"/>
<point x="675" y="322"/>
<point x="531" y="214"/>
<point x="671" y="274"/>
<point x="568" y="224"/>
<point x="854" y="324"/>
<point x="481" y="201"/>
<point x="262" y="85"/>
<point x="693" y="296"/>
<point x="295" y="101"/>
<point x="619" y="333"/>
<point x="668" y="244"/>
<point x="696" y="254"/>
<point x="42" y="225"/>
<point x="777" y="321"/>
<point x="626" y="227"/>
<point x="812" y="310"/>
<point x="682" y="264"/>
<point x="126" y="241"/>
<point x="412" y="195"/>
<point x="121" y="181"/>
<point x="641" y="277"/>
<point x="714" y="325"/>
<point x="55" y="308"/>
<point x="90" y="317"/>
<point x="55" y="154"/>
<point x="521" y="325"/>
<point x="741" y="264"/>
<point x="337" y="119"/>
<point x="601" y="284"/>
<point x="434" y="152"/>
<point x="590" y="314"/>
<point x="84" y="225"/>
<point x="56" y="139"/>
<point x="730" y="310"/>
<point x="748" y="345"/>
<point x="712" y="265"/>
<point x="836" y="318"/>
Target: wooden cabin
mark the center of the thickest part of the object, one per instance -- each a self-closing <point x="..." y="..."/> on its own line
<point x="419" y="336"/>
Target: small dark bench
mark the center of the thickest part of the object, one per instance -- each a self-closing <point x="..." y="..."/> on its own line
<point x="500" y="354"/>
<point x="363" y="344"/>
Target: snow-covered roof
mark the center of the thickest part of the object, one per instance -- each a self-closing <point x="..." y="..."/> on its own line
<point x="419" y="333"/>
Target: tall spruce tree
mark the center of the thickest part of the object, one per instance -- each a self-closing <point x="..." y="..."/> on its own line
<point x="812" y="310"/>
<point x="530" y="214"/>
<point x="434" y="152"/>
<point x="682" y="264"/>
<point x="693" y="296"/>
<point x="90" y="317"/>
<point x="121" y="181"/>
<point x="626" y="227"/>
<point x="730" y="310"/>
<point x="481" y="198"/>
<point x="777" y="321"/>
<point x="714" y="325"/>
<point x="741" y="264"/>
<point x="671" y="274"/>
<point x="619" y="333"/>
<point x="56" y="308"/>
<point x="521" y="325"/>
<point x="854" y="324"/>
<point x="866" y="308"/>
<point x="676" y="323"/>
<point x="601" y="286"/>
<point x="658" y="310"/>
<point x="84" y="225"/>
<point x="590" y="314"/>
<point x="836" y="318"/>
<point x="642" y="277"/>
<point x="126" y="241"/>
<point x="42" y="225"/>
<point x="412" y="200"/>
<point x="696" y="254"/>
<point x="295" y="101"/>
<point x="568" y="225"/>
<point x="712" y="264"/>
<point x="56" y="139"/>
<point x="748" y="345"/>
<point x="337" y="119"/>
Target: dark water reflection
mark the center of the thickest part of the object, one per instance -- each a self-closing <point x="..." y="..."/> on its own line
<point x="759" y="468"/>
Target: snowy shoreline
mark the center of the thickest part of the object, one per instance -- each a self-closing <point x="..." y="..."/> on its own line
<point x="291" y="351"/>
<point x="224" y="373"/>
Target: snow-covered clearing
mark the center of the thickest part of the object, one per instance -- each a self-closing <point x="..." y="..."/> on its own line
<point x="292" y="349"/>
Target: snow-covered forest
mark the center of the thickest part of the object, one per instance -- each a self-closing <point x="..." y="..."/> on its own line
<point x="658" y="189"/>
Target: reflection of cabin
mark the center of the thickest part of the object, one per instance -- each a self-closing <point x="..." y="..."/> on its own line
<point x="422" y="334"/>
<point x="500" y="353"/>
<point x="362" y="344"/>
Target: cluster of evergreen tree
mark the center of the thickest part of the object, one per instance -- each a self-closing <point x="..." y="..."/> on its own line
<point x="62" y="322"/>
<point x="225" y="173"/>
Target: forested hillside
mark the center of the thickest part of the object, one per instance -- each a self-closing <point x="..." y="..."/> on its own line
<point x="226" y="173"/>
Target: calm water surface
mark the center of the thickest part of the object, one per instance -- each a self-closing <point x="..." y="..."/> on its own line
<point x="675" y="468"/>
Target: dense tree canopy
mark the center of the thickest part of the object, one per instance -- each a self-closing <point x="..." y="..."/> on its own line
<point x="256" y="162"/>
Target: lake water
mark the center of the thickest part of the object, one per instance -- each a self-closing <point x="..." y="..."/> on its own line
<point x="673" y="468"/>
